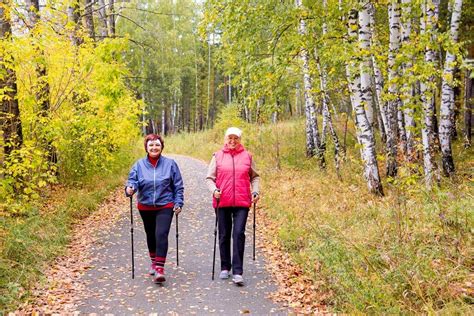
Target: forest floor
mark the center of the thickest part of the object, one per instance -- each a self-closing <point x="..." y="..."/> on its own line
<point x="95" y="276"/>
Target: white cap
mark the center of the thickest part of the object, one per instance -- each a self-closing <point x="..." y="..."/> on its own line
<point x="233" y="131"/>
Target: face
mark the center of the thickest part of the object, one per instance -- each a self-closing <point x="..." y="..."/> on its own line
<point x="153" y="148"/>
<point x="232" y="141"/>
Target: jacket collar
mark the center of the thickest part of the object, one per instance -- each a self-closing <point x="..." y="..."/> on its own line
<point x="240" y="148"/>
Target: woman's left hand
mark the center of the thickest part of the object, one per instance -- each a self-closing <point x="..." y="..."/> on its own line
<point x="255" y="197"/>
<point x="177" y="210"/>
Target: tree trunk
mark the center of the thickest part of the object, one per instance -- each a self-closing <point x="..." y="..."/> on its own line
<point x="393" y="104"/>
<point x="378" y="82"/>
<point x="89" y="18"/>
<point x="427" y="98"/>
<point x="102" y="17"/>
<point x="313" y="143"/>
<point x="364" y="131"/>
<point x="469" y="105"/>
<point x="10" y="111"/>
<point x="408" y="94"/>
<point x="365" y="77"/>
<point x="74" y="16"/>
<point x="111" y="22"/>
<point x="447" y="99"/>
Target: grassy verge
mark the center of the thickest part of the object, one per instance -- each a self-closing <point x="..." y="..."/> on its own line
<point x="409" y="252"/>
<point x="31" y="242"/>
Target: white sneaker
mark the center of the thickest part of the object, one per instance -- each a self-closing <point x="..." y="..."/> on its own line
<point x="238" y="279"/>
<point x="152" y="270"/>
<point x="224" y="274"/>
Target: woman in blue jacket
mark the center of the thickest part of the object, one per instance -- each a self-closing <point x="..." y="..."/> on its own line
<point x="158" y="181"/>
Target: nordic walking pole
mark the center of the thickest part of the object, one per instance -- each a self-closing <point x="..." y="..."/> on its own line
<point x="215" y="239"/>
<point x="177" y="244"/>
<point x="254" y="217"/>
<point x="131" y="234"/>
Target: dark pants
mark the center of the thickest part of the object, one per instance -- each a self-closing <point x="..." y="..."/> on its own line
<point x="232" y="221"/>
<point x="157" y="227"/>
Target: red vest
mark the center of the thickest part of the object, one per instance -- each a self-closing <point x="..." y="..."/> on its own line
<point x="233" y="177"/>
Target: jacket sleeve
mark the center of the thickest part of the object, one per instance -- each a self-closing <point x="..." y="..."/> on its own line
<point x="254" y="178"/>
<point x="132" y="180"/>
<point x="178" y="185"/>
<point x="211" y="175"/>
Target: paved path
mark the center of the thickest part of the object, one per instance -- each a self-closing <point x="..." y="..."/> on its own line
<point x="189" y="288"/>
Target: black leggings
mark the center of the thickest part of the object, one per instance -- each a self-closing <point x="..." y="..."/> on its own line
<point x="157" y="227"/>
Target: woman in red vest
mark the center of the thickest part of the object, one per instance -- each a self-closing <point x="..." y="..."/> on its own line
<point x="232" y="178"/>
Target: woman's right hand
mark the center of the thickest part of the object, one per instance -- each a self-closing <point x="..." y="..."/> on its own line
<point x="130" y="191"/>
<point x="217" y="193"/>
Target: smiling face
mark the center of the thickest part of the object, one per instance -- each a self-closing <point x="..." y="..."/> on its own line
<point x="232" y="141"/>
<point x="153" y="148"/>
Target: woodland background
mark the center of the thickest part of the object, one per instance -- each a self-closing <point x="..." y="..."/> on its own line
<point x="359" y="114"/>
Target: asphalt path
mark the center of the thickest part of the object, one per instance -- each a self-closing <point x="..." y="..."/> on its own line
<point x="189" y="289"/>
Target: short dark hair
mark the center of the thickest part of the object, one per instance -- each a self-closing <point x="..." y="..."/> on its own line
<point x="154" y="137"/>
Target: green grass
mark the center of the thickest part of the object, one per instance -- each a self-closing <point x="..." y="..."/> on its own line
<point x="30" y="242"/>
<point x="408" y="252"/>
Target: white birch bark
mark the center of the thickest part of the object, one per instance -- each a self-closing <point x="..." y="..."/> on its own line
<point x="327" y="120"/>
<point x="392" y="105"/>
<point x="378" y="81"/>
<point x="74" y="16"/>
<point x="365" y="77"/>
<point x="364" y="131"/>
<point x="447" y="98"/>
<point x="408" y="89"/>
<point x="102" y="19"/>
<point x="427" y="99"/>
<point x="313" y="142"/>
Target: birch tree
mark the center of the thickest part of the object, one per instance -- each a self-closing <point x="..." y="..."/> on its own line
<point x="446" y="125"/>
<point x="392" y="108"/>
<point x="102" y="17"/>
<point x="365" y="76"/>
<point x="74" y="18"/>
<point x="407" y="86"/>
<point x="378" y="80"/>
<point x="313" y="142"/>
<point x="325" y="101"/>
<point x="364" y="130"/>
<point x="427" y="95"/>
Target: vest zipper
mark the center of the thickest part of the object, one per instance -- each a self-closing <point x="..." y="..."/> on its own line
<point x="233" y="169"/>
<point x="154" y="183"/>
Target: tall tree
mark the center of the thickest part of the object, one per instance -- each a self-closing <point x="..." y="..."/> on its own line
<point x="10" y="111"/>
<point x="89" y="18"/>
<point x="364" y="130"/>
<point x="446" y="125"/>
<point x="102" y="17"/>
<point x="428" y="95"/>
<point x="408" y="90"/>
<point x="74" y="16"/>
<point x="313" y="142"/>
<point x="393" y="108"/>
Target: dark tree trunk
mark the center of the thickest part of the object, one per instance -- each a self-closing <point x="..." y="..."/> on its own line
<point x="89" y="18"/>
<point x="10" y="111"/>
<point x="469" y="105"/>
